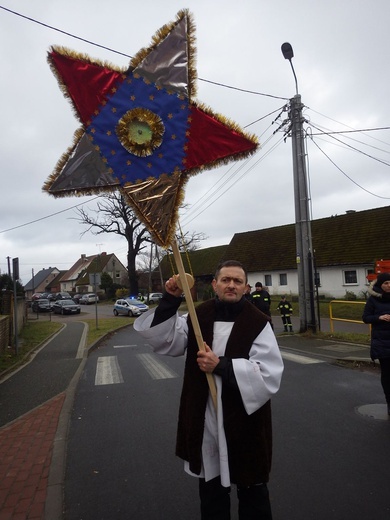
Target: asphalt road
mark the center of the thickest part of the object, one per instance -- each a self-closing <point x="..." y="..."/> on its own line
<point x="330" y="461"/>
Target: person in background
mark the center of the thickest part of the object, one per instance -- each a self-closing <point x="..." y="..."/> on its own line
<point x="232" y="442"/>
<point x="377" y="314"/>
<point x="285" y="309"/>
<point x="261" y="299"/>
<point x="248" y="292"/>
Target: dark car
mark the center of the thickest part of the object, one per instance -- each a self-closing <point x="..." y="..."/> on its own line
<point x="63" y="296"/>
<point x="41" y="305"/>
<point x="66" y="307"/>
<point x="76" y="297"/>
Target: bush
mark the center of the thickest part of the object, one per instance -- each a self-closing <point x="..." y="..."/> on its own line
<point x="350" y="296"/>
<point x="121" y="293"/>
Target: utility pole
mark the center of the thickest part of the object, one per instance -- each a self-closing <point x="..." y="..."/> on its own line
<point x="304" y="249"/>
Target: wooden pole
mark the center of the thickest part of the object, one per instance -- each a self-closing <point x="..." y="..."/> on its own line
<point x="194" y="318"/>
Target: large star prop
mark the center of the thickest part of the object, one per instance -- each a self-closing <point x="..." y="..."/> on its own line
<point x="142" y="132"/>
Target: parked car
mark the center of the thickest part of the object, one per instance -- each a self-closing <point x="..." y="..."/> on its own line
<point x="154" y="297"/>
<point x="36" y="296"/>
<point x="77" y="297"/>
<point x="137" y="303"/>
<point x="66" y="307"/>
<point x="89" y="298"/>
<point x="125" y="307"/>
<point x="63" y="296"/>
<point x="41" y="305"/>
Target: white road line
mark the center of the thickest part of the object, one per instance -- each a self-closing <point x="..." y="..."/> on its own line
<point x="83" y="342"/>
<point x="155" y="368"/>
<point x="124" y="346"/>
<point x="108" y="371"/>
<point x="303" y="360"/>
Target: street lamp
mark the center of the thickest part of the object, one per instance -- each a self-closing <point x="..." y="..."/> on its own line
<point x="304" y="256"/>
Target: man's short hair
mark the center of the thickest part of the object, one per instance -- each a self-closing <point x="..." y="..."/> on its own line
<point x="230" y="263"/>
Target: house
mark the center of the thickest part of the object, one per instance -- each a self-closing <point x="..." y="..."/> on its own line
<point x="41" y="281"/>
<point x="345" y="248"/>
<point x="77" y="278"/>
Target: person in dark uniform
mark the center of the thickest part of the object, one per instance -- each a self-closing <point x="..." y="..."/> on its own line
<point x="261" y="299"/>
<point x="285" y="309"/>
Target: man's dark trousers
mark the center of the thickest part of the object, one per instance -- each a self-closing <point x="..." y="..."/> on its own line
<point x="253" y="501"/>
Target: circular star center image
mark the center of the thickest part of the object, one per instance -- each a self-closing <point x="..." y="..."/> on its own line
<point x="140" y="131"/>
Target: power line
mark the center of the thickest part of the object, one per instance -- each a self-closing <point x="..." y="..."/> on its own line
<point x="33" y="20"/>
<point x="357" y="150"/>
<point x="354" y="131"/>
<point x="347" y="176"/>
<point x="47" y="216"/>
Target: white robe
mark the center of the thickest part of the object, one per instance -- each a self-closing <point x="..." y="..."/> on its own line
<point x="258" y="378"/>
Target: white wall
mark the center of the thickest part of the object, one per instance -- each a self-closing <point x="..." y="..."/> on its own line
<point x="331" y="278"/>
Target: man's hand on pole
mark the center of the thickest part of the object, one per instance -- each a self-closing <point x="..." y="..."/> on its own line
<point x="207" y="360"/>
<point x="172" y="287"/>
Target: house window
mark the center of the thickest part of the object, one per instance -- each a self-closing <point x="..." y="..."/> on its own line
<point x="283" y="279"/>
<point x="350" y="277"/>
<point x="268" y="280"/>
<point x="369" y="272"/>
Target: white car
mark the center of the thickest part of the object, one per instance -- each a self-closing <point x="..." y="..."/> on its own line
<point x="89" y="298"/>
<point x="125" y="307"/>
<point x="154" y="297"/>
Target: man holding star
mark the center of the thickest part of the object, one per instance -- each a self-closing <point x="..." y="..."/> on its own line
<point x="232" y="442"/>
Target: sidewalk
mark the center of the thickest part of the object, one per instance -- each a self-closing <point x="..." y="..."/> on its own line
<point x="26" y="448"/>
<point x="32" y="444"/>
<point x="32" y="447"/>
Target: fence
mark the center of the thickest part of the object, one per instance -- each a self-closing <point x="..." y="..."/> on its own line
<point x="7" y="327"/>
<point x="332" y="318"/>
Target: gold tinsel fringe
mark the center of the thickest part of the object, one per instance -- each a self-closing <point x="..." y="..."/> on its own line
<point x="228" y="123"/>
<point x="161" y="34"/>
<point x="63" y="51"/>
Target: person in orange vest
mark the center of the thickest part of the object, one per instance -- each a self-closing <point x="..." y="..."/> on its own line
<point x="285" y="310"/>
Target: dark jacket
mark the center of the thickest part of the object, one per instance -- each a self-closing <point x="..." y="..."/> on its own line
<point x="262" y="300"/>
<point x="377" y="305"/>
<point x="249" y="437"/>
<point x="285" y="308"/>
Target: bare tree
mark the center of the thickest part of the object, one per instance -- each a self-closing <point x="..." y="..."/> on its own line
<point x="113" y="215"/>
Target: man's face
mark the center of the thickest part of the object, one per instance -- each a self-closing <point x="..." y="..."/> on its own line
<point x="230" y="285"/>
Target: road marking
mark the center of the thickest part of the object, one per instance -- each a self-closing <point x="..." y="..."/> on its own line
<point x="156" y="369"/>
<point x="108" y="371"/>
<point x="303" y="360"/>
<point x="83" y="342"/>
<point x="124" y="346"/>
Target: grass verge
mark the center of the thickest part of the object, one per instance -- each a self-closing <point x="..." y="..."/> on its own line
<point x="105" y="326"/>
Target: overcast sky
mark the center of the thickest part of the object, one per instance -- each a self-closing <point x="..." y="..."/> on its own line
<point x="341" y="62"/>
